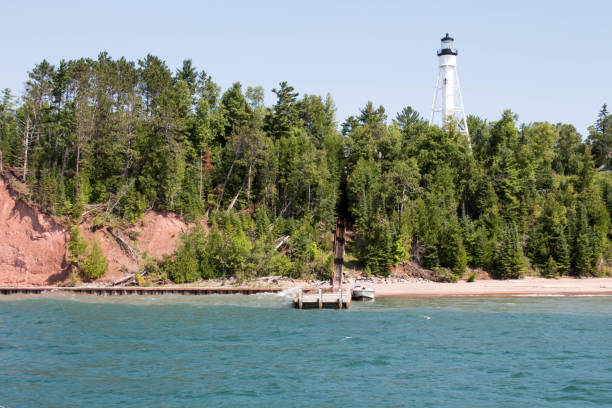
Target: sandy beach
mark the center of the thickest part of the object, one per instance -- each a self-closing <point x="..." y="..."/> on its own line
<point x="518" y="287"/>
<point x="395" y="288"/>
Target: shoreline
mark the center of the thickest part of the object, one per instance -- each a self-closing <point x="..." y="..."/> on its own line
<point x="498" y="288"/>
<point x="493" y="295"/>
<point x="525" y="287"/>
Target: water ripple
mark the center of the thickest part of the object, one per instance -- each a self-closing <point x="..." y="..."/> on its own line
<point x="227" y="351"/>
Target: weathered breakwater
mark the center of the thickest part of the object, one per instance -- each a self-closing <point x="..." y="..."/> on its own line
<point x="133" y="290"/>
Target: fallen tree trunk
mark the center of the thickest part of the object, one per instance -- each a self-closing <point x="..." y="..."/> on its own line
<point x="281" y="241"/>
<point x="125" y="279"/>
<point x="233" y="202"/>
<point x="125" y="247"/>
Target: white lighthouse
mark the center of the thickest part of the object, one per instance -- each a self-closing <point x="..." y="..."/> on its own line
<point x="448" y="103"/>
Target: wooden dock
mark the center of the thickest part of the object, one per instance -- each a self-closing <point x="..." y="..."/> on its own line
<point x="133" y="290"/>
<point x="320" y="300"/>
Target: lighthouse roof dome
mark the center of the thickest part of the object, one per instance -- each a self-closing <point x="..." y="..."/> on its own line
<point x="447" y="38"/>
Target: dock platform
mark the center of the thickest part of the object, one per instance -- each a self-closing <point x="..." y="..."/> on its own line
<point x="320" y="300"/>
<point x="132" y="290"/>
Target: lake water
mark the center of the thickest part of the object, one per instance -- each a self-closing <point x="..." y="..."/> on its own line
<point x="256" y="351"/>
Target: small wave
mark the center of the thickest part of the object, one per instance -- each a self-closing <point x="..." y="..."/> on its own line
<point x="564" y="295"/>
<point x="541" y="295"/>
<point x="289" y="292"/>
<point x="592" y="295"/>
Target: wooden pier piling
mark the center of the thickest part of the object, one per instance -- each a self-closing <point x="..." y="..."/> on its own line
<point x="319" y="300"/>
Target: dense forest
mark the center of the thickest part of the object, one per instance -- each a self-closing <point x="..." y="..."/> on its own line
<point x="112" y="138"/>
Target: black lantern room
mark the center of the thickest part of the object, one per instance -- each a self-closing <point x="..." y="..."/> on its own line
<point x="448" y="46"/>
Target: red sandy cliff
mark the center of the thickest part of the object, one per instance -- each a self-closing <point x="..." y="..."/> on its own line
<point x="33" y="245"/>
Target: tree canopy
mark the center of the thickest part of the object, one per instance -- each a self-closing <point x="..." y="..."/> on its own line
<point x="133" y="136"/>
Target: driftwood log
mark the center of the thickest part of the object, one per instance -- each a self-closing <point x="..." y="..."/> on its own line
<point x="125" y="279"/>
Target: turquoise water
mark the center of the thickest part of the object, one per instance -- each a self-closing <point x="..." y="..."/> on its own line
<point x="232" y="351"/>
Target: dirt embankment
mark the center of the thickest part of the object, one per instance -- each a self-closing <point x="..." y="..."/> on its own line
<point x="33" y="245"/>
<point x="152" y="237"/>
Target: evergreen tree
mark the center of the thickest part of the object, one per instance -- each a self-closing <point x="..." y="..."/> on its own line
<point x="562" y="252"/>
<point x="484" y="250"/>
<point x="410" y="123"/>
<point x="510" y="260"/>
<point x="602" y="124"/>
<point x="600" y="137"/>
<point x="189" y="75"/>
<point x="567" y="158"/>
<point x="77" y="246"/>
<point x="582" y="248"/>
<point x="284" y="115"/>
<point x="452" y="251"/>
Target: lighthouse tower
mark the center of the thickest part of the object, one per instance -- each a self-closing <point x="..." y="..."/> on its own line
<point x="448" y="103"/>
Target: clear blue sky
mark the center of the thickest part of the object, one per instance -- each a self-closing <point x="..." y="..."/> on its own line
<point x="545" y="60"/>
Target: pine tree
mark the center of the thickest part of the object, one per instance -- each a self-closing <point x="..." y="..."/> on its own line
<point x="452" y="251"/>
<point x="600" y="137"/>
<point x="299" y="244"/>
<point x="285" y="114"/>
<point x="602" y="123"/>
<point x="551" y="268"/>
<point x="587" y="172"/>
<point x="484" y="249"/>
<point x="378" y="252"/>
<point x="548" y="237"/>
<point x="582" y="250"/>
<point x="77" y="246"/>
<point x="510" y="260"/>
<point x="562" y="254"/>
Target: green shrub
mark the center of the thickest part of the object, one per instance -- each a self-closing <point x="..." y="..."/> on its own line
<point x="280" y="265"/>
<point x="95" y="264"/>
<point x="444" y="275"/>
<point x="184" y="268"/>
<point x="189" y="260"/>
<point x="323" y="266"/>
